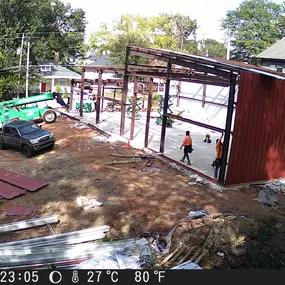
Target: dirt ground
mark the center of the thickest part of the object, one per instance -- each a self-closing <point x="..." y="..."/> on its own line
<point x="135" y="199"/>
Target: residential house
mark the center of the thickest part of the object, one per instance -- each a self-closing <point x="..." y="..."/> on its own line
<point x="274" y="56"/>
<point x="56" y="77"/>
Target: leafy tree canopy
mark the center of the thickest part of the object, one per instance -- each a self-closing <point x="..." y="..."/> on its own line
<point x="167" y="31"/>
<point x="254" y="26"/>
<point x="50" y="26"/>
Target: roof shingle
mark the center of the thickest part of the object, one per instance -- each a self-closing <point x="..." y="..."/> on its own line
<point x="276" y="51"/>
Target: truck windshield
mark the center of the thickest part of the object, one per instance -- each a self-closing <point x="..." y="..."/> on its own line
<point x="28" y="129"/>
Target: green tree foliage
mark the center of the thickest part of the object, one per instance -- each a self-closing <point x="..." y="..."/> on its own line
<point x="254" y="26"/>
<point x="213" y="48"/>
<point x="167" y="31"/>
<point x="51" y="26"/>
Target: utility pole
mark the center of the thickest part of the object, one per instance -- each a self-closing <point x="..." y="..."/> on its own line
<point x="27" y="69"/>
<point x="21" y="56"/>
<point x="229" y="48"/>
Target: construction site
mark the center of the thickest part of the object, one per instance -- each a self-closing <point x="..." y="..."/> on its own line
<point x="114" y="179"/>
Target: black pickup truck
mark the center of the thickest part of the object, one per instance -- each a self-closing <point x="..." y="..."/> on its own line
<point x="27" y="136"/>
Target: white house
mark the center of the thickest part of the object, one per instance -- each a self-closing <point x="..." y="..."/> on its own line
<point x="55" y="77"/>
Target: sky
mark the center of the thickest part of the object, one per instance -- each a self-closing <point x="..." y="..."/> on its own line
<point x="207" y="12"/>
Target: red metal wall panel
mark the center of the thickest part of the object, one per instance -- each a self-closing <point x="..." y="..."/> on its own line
<point x="257" y="151"/>
<point x="21" y="181"/>
<point x="9" y="191"/>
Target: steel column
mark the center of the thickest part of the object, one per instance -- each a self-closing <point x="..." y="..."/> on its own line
<point x="204" y="95"/>
<point x="149" y="105"/>
<point x="103" y="95"/>
<point x="82" y="93"/>
<point x="98" y="97"/>
<point x="165" y="107"/>
<point x="178" y="94"/>
<point x="125" y="93"/>
<point x="134" y="108"/>
<point x="71" y="95"/>
<point x="228" y="128"/>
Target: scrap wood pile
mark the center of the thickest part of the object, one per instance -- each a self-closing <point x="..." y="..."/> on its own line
<point x="204" y="242"/>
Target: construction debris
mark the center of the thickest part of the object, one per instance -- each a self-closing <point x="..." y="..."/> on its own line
<point x="111" y="167"/>
<point x="133" y="256"/>
<point x="197" y="214"/>
<point x="187" y="265"/>
<point x="121" y="162"/>
<point x="78" y="125"/>
<point x="87" y="203"/>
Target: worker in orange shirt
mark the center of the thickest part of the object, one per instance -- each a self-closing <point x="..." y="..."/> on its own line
<point x="187" y="143"/>
<point x="219" y="152"/>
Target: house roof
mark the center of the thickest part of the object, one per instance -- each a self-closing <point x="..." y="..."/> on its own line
<point x="99" y="60"/>
<point x="276" y="51"/>
<point x="61" y="72"/>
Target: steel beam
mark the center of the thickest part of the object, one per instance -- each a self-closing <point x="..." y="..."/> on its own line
<point x="124" y="95"/>
<point x="199" y="124"/>
<point x="149" y="105"/>
<point x="200" y="100"/>
<point x="134" y="108"/>
<point x="185" y="63"/>
<point x="165" y="107"/>
<point x="227" y="136"/>
<point x="82" y="93"/>
<point x="98" y="98"/>
<point x="27" y="224"/>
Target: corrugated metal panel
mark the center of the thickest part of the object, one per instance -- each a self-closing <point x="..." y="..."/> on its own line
<point x="9" y="191"/>
<point x="258" y="148"/>
<point x="19" y="211"/>
<point x="21" y="181"/>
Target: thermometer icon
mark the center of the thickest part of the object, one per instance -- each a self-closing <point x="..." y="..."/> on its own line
<point x="75" y="278"/>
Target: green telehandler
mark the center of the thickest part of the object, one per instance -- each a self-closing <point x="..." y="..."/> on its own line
<point x="28" y="108"/>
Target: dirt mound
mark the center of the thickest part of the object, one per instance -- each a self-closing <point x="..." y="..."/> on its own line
<point x="231" y="242"/>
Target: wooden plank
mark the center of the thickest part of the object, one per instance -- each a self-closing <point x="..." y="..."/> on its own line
<point x="113" y="168"/>
<point x="121" y="162"/>
<point x="204" y="252"/>
<point x="182" y="249"/>
<point x="169" y="256"/>
<point x="195" y="254"/>
<point x="183" y="258"/>
<point x="27" y="224"/>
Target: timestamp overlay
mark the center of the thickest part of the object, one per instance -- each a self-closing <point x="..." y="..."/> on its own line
<point x="125" y="277"/>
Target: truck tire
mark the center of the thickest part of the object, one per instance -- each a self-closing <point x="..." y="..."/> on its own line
<point x="2" y="145"/>
<point x="49" y="116"/>
<point x="27" y="152"/>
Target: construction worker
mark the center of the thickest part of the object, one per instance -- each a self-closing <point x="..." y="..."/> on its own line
<point x="219" y="151"/>
<point x="187" y="143"/>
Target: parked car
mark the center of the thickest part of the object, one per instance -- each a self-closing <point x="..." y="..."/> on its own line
<point x="26" y="136"/>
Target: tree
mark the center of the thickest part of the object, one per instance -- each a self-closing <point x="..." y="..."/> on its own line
<point x="213" y="48"/>
<point x="50" y="26"/>
<point x="254" y="26"/>
<point x="167" y="31"/>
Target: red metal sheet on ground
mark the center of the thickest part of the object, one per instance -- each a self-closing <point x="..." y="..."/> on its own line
<point x="19" y="211"/>
<point x="9" y="191"/>
<point x="21" y="181"/>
